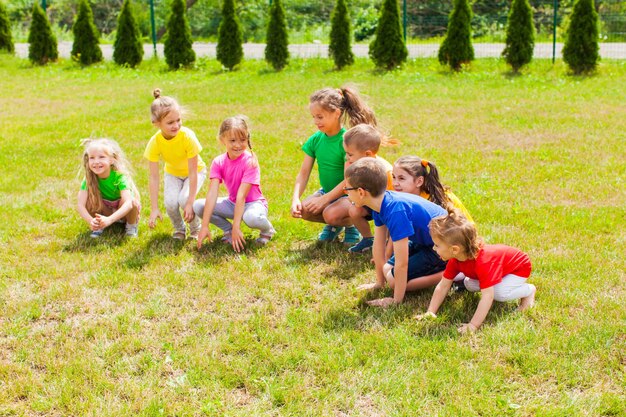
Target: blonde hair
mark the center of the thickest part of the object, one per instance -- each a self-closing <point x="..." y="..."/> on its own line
<point x="239" y="127"/>
<point x="367" y="138"/>
<point x="163" y="105"/>
<point x="455" y="229"/>
<point x="353" y="109"/>
<point x="120" y="164"/>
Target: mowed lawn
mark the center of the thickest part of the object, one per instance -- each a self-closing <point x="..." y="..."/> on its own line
<point x="151" y="327"/>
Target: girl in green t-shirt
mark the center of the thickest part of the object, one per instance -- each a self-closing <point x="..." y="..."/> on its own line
<point x="108" y="193"/>
<point x="330" y="108"/>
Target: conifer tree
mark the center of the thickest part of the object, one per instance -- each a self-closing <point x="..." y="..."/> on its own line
<point x="340" y="36"/>
<point x="388" y="50"/>
<point x="456" y="49"/>
<point x="178" y="45"/>
<point x="128" y="48"/>
<point x="42" y="46"/>
<point x="520" y="35"/>
<point x="86" y="48"/>
<point x="229" y="37"/>
<point x="6" y="40"/>
<point x="276" y="48"/>
<point x="580" y="51"/>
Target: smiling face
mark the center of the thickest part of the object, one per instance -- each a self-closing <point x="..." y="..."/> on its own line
<point x="326" y="121"/>
<point x="444" y="250"/>
<point x="236" y="144"/>
<point x="404" y="182"/>
<point x="100" y="162"/>
<point x="170" y="124"/>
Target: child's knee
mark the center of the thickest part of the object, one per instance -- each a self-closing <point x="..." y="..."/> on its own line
<point x="198" y="207"/>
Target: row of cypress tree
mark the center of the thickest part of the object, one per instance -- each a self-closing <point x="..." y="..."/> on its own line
<point x="387" y="50"/>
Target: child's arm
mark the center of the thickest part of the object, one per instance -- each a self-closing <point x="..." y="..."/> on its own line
<point x="120" y="213"/>
<point x="82" y="210"/>
<point x="301" y="181"/>
<point x="240" y="205"/>
<point x="378" y="252"/>
<point x="317" y="205"/>
<point x="192" y="164"/>
<point x="441" y="290"/>
<point x="486" y="300"/>
<point x="155" y="213"/>
<point x="400" y="268"/>
<point x="209" y="206"/>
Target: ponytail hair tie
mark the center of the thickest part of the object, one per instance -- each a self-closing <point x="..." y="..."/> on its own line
<point x="340" y="92"/>
<point x="426" y="166"/>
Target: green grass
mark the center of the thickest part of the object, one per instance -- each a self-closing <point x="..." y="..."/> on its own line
<point x="150" y="327"/>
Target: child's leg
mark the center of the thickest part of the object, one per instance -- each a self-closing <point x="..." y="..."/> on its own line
<point x="425" y="269"/>
<point x="309" y="216"/>
<point x="255" y="217"/>
<point x="513" y="287"/>
<point x="336" y="213"/>
<point x="224" y="209"/>
<point x="358" y="217"/>
<point x="471" y="285"/>
<point x="183" y="196"/>
<point x="172" y="187"/>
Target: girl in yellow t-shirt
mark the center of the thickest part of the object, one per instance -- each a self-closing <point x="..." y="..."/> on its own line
<point x="185" y="170"/>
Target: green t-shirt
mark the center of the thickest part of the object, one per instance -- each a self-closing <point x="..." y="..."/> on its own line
<point x="110" y="187"/>
<point x="330" y="156"/>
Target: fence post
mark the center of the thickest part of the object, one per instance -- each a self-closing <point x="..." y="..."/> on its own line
<point x="153" y="24"/>
<point x="555" y="6"/>
<point x="404" y="18"/>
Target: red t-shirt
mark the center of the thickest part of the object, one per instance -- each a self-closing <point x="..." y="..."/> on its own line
<point x="492" y="263"/>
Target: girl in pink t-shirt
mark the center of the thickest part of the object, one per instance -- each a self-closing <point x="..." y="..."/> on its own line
<point x="499" y="272"/>
<point x="239" y="170"/>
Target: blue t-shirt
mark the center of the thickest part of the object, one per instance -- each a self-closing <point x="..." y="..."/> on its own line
<point x="407" y="215"/>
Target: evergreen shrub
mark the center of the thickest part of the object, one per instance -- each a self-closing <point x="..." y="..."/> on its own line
<point x="6" y="40"/>
<point x="339" y="48"/>
<point x="456" y="49"/>
<point x="580" y="51"/>
<point x="86" y="47"/>
<point x="276" y="47"/>
<point x="178" y="45"/>
<point x="42" y="46"/>
<point x="388" y="49"/>
<point x="520" y="35"/>
<point x="229" y="37"/>
<point x="128" y="48"/>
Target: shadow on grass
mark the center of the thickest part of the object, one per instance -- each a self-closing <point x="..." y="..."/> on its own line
<point x="218" y="252"/>
<point x="458" y="308"/>
<point x="333" y="257"/>
<point x="113" y="235"/>
<point x="159" y="245"/>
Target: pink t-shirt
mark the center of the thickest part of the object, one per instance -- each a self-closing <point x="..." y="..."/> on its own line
<point x="492" y="263"/>
<point x="234" y="172"/>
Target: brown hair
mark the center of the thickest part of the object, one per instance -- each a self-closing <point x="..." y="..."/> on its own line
<point x="163" y="105"/>
<point x="419" y="167"/>
<point x="455" y="229"/>
<point x="367" y="138"/>
<point x="368" y="174"/>
<point x="353" y="109"/>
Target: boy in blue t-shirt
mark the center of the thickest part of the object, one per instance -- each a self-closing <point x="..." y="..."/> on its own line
<point x="415" y="264"/>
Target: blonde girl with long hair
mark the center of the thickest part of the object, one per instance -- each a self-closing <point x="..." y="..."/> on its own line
<point x="108" y="193"/>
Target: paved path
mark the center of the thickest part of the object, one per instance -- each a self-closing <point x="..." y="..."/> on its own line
<point x="312" y="50"/>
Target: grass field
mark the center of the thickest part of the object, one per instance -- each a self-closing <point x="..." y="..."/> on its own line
<point x="151" y="327"/>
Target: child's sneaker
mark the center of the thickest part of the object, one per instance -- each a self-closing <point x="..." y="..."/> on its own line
<point x="264" y="238"/>
<point x="363" y="246"/>
<point x="193" y="234"/>
<point x="96" y="233"/>
<point x="329" y="233"/>
<point x="132" y="230"/>
<point x="179" y="235"/>
<point x="227" y="238"/>
<point x="352" y="236"/>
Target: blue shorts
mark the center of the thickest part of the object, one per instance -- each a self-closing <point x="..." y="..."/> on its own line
<point x="423" y="260"/>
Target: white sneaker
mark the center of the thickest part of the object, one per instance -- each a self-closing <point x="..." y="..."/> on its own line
<point x="96" y="233"/>
<point x="132" y="230"/>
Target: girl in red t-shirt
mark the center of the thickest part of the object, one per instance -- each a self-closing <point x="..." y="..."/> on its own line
<point x="499" y="272"/>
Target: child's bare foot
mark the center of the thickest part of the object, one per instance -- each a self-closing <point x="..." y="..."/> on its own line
<point x="528" y="302"/>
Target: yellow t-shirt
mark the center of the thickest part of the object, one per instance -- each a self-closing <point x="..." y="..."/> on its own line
<point x="389" y="171"/>
<point x="175" y="152"/>
<point x="455" y="202"/>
